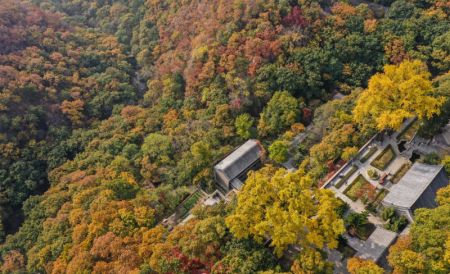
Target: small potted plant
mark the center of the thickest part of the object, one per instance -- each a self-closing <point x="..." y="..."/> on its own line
<point x="373" y="174"/>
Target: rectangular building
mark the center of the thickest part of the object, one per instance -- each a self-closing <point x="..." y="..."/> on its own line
<point x="375" y="247"/>
<point x="416" y="189"/>
<point x="231" y="172"/>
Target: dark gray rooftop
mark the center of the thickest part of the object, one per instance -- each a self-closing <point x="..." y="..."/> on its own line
<point x="411" y="186"/>
<point x="236" y="184"/>
<point x="377" y="243"/>
<point x="239" y="160"/>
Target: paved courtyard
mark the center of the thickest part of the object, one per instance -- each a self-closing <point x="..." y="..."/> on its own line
<point x="361" y="164"/>
<point x="403" y="152"/>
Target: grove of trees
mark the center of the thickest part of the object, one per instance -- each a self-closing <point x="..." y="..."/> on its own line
<point x="112" y="112"/>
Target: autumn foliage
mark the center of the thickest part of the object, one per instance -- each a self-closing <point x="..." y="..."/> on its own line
<point x="358" y="266"/>
<point x="402" y="91"/>
<point x="113" y="112"/>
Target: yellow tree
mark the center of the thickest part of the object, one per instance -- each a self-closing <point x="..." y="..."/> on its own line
<point x="403" y="259"/>
<point x="74" y="111"/>
<point x="358" y="266"/>
<point x="311" y="261"/>
<point x="401" y="91"/>
<point x="285" y="207"/>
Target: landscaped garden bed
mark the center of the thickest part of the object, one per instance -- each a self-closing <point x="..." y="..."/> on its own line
<point x="358" y="225"/>
<point x="408" y="133"/>
<point x="383" y="160"/>
<point x="342" y="208"/>
<point x="394" y="222"/>
<point x="349" y="173"/>
<point x="374" y="205"/>
<point x="381" y="194"/>
<point x="360" y="188"/>
<point x="400" y="173"/>
<point x="188" y="204"/>
<point x="363" y="232"/>
<point x="369" y="154"/>
<point x="373" y="174"/>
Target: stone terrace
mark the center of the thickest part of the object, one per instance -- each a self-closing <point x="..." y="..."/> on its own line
<point x="404" y="145"/>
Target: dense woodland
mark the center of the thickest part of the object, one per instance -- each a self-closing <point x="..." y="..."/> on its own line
<point x="111" y="111"/>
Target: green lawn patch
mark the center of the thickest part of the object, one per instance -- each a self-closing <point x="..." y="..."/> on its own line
<point x="188" y="204"/>
<point x="408" y="132"/>
<point x="400" y="173"/>
<point x="383" y="160"/>
<point x="369" y="154"/>
<point x="345" y="177"/>
<point x="360" y="187"/>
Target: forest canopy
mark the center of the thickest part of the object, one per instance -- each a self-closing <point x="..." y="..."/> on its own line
<point x="114" y="112"/>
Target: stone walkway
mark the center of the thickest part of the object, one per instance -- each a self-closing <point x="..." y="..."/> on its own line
<point x="375" y="246"/>
<point x="417" y="145"/>
<point x="354" y="242"/>
<point x="289" y="164"/>
<point x="340" y="265"/>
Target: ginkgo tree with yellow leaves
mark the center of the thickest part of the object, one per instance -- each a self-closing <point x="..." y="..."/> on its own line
<point x="286" y="208"/>
<point x="401" y="91"/>
<point x="356" y="265"/>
